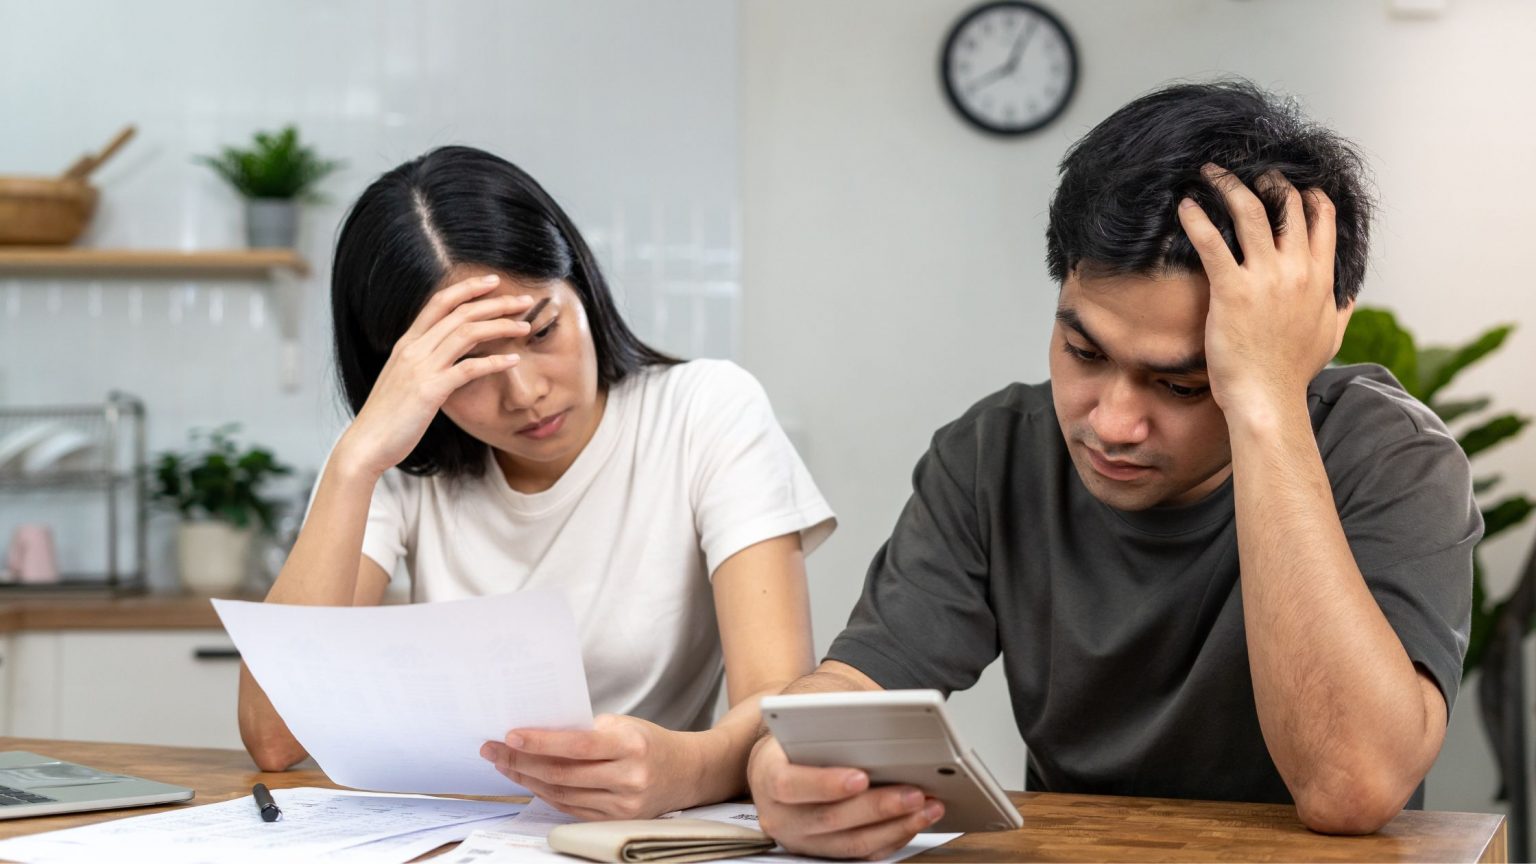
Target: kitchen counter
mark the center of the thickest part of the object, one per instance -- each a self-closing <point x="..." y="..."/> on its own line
<point x="74" y="611"/>
<point x="100" y="612"/>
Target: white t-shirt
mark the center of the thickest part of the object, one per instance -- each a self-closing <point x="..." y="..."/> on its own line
<point x="687" y="467"/>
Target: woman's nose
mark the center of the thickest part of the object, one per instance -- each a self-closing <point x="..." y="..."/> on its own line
<point x="524" y="387"/>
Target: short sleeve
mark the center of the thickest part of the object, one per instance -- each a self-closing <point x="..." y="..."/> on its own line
<point x="924" y="619"/>
<point x="747" y="484"/>
<point x="386" y="534"/>
<point x="1412" y="523"/>
<point x="386" y="537"/>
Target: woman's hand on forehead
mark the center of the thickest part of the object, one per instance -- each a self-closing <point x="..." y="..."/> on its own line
<point x="430" y="362"/>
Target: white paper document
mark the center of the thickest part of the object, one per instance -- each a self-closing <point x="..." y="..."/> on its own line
<point x="536" y="819"/>
<point x="502" y="847"/>
<point x="404" y="847"/>
<point x="400" y="698"/>
<point x="522" y="839"/>
<point x="317" y="825"/>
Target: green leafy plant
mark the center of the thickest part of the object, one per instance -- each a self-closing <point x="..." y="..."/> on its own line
<point x="277" y="166"/>
<point x="217" y="480"/>
<point x="1374" y="336"/>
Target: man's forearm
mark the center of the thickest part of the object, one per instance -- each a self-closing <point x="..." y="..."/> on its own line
<point x="830" y="677"/>
<point x="1342" y="707"/>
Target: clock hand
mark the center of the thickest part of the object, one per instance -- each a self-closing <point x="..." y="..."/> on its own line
<point x="986" y="78"/>
<point x="1017" y="53"/>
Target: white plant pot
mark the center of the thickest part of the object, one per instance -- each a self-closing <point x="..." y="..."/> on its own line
<point x="213" y="556"/>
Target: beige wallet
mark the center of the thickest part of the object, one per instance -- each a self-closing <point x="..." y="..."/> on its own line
<point x="671" y="840"/>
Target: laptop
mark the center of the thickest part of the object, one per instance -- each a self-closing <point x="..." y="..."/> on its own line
<point x="33" y="785"/>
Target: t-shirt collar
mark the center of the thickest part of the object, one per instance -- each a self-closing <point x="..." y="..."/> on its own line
<point x="1174" y="519"/>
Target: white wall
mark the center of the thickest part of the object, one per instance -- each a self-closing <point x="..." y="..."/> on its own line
<point x="893" y="258"/>
<point x="893" y="270"/>
<point x="624" y="109"/>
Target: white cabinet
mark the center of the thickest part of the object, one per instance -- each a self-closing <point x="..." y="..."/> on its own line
<point x="5" y="684"/>
<point x="176" y="687"/>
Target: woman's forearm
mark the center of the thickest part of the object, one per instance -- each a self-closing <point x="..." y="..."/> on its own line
<point x="322" y="570"/>
<point x="262" y="730"/>
<point x="724" y="749"/>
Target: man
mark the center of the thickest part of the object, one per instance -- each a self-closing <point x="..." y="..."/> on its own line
<point x="1214" y="568"/>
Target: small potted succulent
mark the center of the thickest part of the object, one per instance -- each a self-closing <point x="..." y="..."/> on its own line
<point x="273" y="176"/>
<point x="216" y="488"/>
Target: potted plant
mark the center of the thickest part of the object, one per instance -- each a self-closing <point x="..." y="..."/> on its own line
<point x="216" y="488"/>
<point x="272" y="176"/>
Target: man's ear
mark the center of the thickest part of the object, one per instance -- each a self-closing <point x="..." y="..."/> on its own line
<point x="1343" y="324"/>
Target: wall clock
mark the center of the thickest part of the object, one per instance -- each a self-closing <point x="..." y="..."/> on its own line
<point x="1009" y="67"/>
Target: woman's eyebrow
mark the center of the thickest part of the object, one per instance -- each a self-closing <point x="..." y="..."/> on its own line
<point x="537" y="308"/>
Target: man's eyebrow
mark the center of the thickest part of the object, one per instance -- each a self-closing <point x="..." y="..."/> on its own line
<point x="1068" y="316"/>
<point x="1193" y="364"/>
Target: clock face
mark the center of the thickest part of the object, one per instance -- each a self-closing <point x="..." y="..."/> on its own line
<point x="1009" y="67"/>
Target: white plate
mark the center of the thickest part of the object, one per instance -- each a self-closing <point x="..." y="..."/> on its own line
<point x="68" y="448"/>
<point x="14" y="445"/>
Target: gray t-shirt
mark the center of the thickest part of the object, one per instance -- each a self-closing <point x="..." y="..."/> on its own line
<point x="1122" y="632"/>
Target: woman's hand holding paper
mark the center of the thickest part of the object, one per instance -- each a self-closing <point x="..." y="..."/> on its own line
<point x="623" y="768"/>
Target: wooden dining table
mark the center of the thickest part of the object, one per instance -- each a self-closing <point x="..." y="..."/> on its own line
<point x="1057" y="827"/>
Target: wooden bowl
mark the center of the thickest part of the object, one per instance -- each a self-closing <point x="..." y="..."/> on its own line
<point x="44" y="211"/>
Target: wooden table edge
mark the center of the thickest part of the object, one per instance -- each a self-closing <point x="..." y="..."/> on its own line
<point x="1057" y="826"/>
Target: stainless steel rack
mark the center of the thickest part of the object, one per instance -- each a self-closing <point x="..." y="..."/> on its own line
<point x="112" y="466"/>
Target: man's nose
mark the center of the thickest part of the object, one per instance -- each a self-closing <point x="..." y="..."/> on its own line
<point x="1120" y="417"/>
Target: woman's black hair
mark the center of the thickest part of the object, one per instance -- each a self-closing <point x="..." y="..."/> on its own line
<point x="451" y="207"/>
<point x="1116" y="209"/>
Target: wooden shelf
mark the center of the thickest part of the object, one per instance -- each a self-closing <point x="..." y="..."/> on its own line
<point x="279" y="272"/>
<point x="143" y="263"/>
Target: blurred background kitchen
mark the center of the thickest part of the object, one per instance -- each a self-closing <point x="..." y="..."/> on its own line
<point x="780" y="182"/>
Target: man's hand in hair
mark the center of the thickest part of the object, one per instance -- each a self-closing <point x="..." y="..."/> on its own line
<point x="1273" y="323"/>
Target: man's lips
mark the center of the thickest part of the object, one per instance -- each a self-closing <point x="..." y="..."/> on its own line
<point x="1115" y="469"/>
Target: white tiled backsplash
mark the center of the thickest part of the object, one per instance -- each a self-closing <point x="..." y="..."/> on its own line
<point x="624" y="109"/>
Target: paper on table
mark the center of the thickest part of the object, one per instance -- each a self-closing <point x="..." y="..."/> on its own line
<point x="537" y="819"/>
<point x="400" y="698"/>
<point x="315" y="822"/>
<point x="405" y="847"/>
<point x="502" y="847"/>
<point x="522" y="837"/>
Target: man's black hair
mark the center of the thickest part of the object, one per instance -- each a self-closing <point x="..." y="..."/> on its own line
<point x="1115" y="211"/>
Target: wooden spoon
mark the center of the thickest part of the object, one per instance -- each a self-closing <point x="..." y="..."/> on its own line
<point x="88" y="163"/>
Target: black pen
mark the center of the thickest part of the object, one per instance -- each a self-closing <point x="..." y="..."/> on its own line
<point x="264" y="802"/>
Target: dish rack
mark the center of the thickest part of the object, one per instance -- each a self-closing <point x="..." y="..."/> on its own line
<point x="108" y="465"/>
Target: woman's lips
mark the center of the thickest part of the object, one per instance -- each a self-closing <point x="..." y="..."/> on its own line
<point x="544" y="428"/>
<point x="1116" y="470"/>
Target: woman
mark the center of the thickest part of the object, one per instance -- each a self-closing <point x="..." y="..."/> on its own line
<point x="510" y="432"/>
